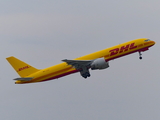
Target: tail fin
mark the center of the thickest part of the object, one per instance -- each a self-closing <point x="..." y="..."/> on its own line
<point x="22" y="68"/>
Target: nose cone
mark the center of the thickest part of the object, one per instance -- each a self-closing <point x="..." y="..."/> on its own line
<point x="153" y="42"/>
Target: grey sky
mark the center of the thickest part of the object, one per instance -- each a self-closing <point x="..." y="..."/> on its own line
<point x="42" y="33"/>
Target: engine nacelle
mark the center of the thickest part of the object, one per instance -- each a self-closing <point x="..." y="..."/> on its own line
<point x="100" y="64"/>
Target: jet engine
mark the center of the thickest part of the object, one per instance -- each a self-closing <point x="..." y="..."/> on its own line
<point x="100" y="64"/>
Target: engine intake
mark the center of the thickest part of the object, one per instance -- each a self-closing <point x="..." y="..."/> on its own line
<point x="100" y="64"/>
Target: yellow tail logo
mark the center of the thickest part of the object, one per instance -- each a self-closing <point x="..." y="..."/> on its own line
<point x="22" y="68"/>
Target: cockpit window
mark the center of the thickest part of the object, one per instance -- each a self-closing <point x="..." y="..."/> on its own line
<point x="147" y="40"/>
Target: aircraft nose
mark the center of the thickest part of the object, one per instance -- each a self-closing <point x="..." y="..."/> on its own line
<point x="153" y="42"/>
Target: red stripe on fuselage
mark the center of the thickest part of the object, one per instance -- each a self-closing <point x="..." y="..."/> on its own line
<point x="74" y="71"/>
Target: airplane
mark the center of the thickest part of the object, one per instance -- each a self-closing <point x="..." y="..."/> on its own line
<point x="95" y="61"/>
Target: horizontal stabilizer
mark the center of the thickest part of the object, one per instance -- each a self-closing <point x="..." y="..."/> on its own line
<point x="24" y="79"/>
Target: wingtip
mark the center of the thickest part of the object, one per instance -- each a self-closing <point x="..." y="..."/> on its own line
<point x="64" y="60"/>
<point x="10" y="57"/>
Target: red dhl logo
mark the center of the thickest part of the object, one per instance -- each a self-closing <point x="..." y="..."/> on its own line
<point x="122" y="49"/>
<point x="23" y="68"/>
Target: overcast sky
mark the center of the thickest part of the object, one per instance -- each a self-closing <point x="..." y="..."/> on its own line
<point x="43" y="32"/>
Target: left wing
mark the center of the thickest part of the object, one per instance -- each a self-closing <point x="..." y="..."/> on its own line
<point x="80" y="65"/>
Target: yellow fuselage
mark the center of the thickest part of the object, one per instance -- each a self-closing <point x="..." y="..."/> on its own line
<point x="111" y="53"/>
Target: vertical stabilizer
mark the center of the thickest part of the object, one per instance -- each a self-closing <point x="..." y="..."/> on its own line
<point x="22" y="68"/>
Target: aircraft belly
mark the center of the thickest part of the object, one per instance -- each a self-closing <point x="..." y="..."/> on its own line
<point x="53" y="74"/>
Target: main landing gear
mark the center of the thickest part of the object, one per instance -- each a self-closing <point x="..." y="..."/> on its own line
<point x="85" y="75"/>
<point x="85" y="72"/>
<point x="140" y="55"/>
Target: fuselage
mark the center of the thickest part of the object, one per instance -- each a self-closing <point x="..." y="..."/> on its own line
<point x="60" y="70"/>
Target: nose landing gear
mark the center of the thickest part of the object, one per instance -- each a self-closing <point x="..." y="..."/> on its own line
<point x="140" y="55"/>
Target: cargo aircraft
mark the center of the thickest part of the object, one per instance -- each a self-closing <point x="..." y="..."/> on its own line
<point x="95" y="61"/>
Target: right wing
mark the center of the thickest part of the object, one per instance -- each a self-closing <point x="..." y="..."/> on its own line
<point x="80" y="65"/>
